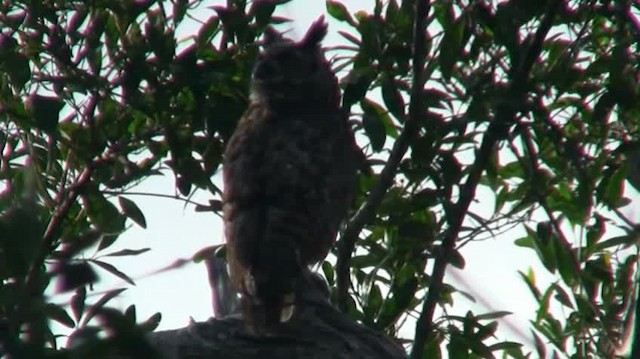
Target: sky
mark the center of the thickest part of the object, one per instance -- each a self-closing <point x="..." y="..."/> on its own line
<point x="175" y="232"/>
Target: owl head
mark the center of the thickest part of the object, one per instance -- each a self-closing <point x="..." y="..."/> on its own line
<point x="294" y="73"/>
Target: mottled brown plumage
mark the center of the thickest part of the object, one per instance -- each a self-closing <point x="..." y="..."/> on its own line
<point x="289" y="175"/>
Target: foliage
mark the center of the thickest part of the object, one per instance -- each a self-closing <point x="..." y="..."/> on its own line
<point x="535" y="100"/>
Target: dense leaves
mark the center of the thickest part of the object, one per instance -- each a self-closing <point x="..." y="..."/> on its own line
<point x="536" y="101"/>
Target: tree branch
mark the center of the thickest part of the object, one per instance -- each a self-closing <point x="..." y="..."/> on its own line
<point x="366" y="212"/>
<point x="504" y="118"/>
<point x="54" y="226"/>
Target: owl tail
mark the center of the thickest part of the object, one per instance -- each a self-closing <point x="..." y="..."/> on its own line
<point x="271" y="284"/>
<point x="263" y="313"/>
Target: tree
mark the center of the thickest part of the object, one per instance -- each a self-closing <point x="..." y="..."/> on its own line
<point x="535" y="100"/>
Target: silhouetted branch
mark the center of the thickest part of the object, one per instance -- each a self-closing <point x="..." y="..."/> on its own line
<point x="367" y="211"/>
<point x="496" y="132"/>
<point x="318" y="330"/>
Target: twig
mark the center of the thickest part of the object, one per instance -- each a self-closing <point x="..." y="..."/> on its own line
<point x="505" y="114"/>
<point x="151" y="194"/>
<point x="400" y="147"/>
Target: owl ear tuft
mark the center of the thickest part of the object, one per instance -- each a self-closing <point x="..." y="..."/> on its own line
<point x="271" y="36"/>
<point x="317" y="31"/>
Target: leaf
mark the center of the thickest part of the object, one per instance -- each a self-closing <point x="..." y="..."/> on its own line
<point x="214" y="206"/>
<point x="375" y="130"/>
<point x="130" y="313"/>
<point x="179" y="10"/>
<point x="338" y="11"/>
<point x="451" y="47"/>
<point x="615" y="187"/>
<point x="17" y="66"/>
<point x="95" y="307"/>
<point x="486" y="331"/>
<point x="59" y="315"/>
<point x="74" y="275"/>
<point x="151" y="323"/>
<point x="493" y="315"/>
<point x="208" y="31"/>
<point x="457" y="260"/>
<point x="562" y="296"/>
<point x="127" y="252"/>
<point x="624" y="240"/>
<point x="393" y="99"/>
<point x="262" y="11"/>
<point x="45" y="111"/>
<point x="102" y="213"/>
<point x="131" y="210"/>
<point x="565" y="261"/>
<point x="530" y="281"/>
<point x="373" y="303"/>
<point x="113" y="270"/>
<point x="352" y="39"/>
<point x="540" y="346"/>
<point x="78" y="302"/>
<point x="329" y="272"/>
<point x="356" y="85"/>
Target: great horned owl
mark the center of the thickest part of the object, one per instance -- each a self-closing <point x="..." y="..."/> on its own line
<point x="289" y="175"/>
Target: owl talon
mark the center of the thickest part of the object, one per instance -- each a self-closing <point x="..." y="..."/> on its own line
<point x="286" y="313"/>
<point x="250" y="284"/>
<point x="288" y="307"/>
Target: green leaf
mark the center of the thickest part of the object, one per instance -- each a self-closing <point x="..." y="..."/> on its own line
<point x="45" y="111"/>
<point x="393" y="99"/>
<point x="373" y="126"/>
<point x="102" y="213"/>
<point x="356" y="85"/>
<point x="13" y="62"/>
<point x="329" y="272"/>
<point x="338" y="11"/>
<point x="179" y="10"/>
<point x="457" y="260"/>
<point x="113" y="270"/>
<point x="373" y="303"/>
<point x="59" y="315"/>
<point x="131" y="210"/>
<point x="207" y="31"/>
<point x="624" y="240"/>
<point x="451" y="47"/>
<point x="565" y="261"/>
<point x="615" y="187"/>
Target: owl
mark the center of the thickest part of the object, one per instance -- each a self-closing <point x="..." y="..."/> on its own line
<point x="289" y="177"/>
